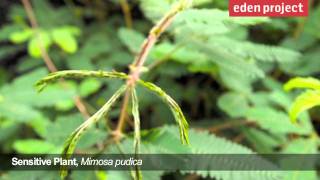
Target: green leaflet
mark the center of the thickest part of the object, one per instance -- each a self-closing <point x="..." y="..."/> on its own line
<point x="261" y="52"/>
<point x="303" y="102"/>
<point x="42" y="40"/>
<point x="65" y="40"/>
<point x="306" y="100"/>
<point x="21" y="36"/>
<point x="137" y="137"/>
<point x="201" y="21"/>
<point x="53" y="77"/>
<point x="163" y="140"/>
<point x="225" y="59"/>
<point x="73" y="139"/>
<point x="300" y="82"/>
<point x="32" y="146"/>
<point x="89" y="86"/>
<point x="234" y="104"/>
<point x="275" y="121"/>
<point x="174" y="107"/>
<point x="131" y="38"/>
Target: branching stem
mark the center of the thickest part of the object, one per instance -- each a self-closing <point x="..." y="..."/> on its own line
<point x="136" y="66"/>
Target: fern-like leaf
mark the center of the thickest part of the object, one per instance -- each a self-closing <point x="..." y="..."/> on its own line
<point x="225" y="59"/>
<point x="73" y="139"/>
<point x="246" y="49"/>
<point x="201" y="21"/>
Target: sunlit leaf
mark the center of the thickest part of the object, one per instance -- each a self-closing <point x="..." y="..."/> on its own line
<point x="65" y="40"/>
<point x="21" y="36"/>
<point x="35" y="45"/>
<point x="299" y="82"/>
<point x="303" y="102"/>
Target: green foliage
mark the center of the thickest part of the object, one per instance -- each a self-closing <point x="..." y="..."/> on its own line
<point x="308" y="83"/>
<point x="35" y="146"/>
<point x="163" y="140"/>
<point x="174" y="107"/>
<point x="136" y="117"/>
<point x="306" y="100"/>
<point x="227" y="74"/>
<point x="73" y="139"/>
<point x="64" y="37"/>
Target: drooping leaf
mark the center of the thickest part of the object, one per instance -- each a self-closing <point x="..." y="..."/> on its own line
<point x="137" y="138"/>
<point x="136" y="117"/>
<point x="303" y="102"/>
<point x="176" y="110"/>
<point x="73" y="139"/>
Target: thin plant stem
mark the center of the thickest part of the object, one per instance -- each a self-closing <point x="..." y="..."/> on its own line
<point x="136" y="66"/>
<point x="49" y="63"/>
<point x="126" y="12"/>
<point x="230" y="125"/>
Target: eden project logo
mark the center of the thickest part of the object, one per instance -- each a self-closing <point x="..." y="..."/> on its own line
<point x="277" y="8"/>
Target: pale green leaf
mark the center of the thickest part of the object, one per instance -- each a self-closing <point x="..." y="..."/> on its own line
<point x="275" y="121"/>
<point x="41" y="40"/>
<point x="235" y="104"/>
<point x="65" y="40"/>
<point x="246" y="49"/>
<point x="21" y="36"/>
<point x="201" y="21"/>
<point x="89" y="86"/>
<point x="34" y="146"/>
<point x="131" y="38"/>
<point x="248" y="20"/>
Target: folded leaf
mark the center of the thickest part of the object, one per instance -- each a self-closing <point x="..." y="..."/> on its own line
<point x="77" y="74"/>
<point x="174" y="107"/>
<point x="73" y="139"/>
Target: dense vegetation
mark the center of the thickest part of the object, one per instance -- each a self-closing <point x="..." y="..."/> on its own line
<point x="222" y="82"/>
